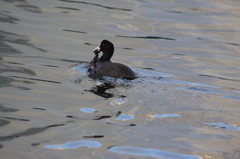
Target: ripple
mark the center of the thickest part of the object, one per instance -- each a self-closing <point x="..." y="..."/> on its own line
<point x="35" y="144"/>
<point x="148" y="152"/>
<point x="75" y="9"/>
<point x="89" y="117"/>
<point x="8" y="68"/>
<point x="5" y="109"/>
<point x="74" y="31"/>
<point x="39" y="109"/>
<point x="206" y="90"/>
<point x="165" y="115"/>
<point x="221" y="78"/>
<point x="125" y="117"/>
<point x="145" y="37"/>
<point x="4" y="122"/>
<point x="17" y="39"/>
<point x="7" y="18"/>
<point x="111" y="103"/>
<point x="231" y="97"/>
<point x="120" y="101"/>
<point x="30" y="131"/>
<point x="224" y="126"/>
<point x="75" y="145"/>
<point x="36" y="79"/>
<point x="175" y="57"/>
<point x="98" y="5"/>
<point x="81" y="68"/>
<point x="29" y="8"/>
<point x="88" y="110"/>
<point x="147" y="72"/>
<point x="94" y="136"/>
<point x="11" y="118"/>
<point x="117" y="102"/>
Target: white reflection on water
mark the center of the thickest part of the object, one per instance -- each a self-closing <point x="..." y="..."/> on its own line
<point x="165" y="115"/>
<point x="148" y="152"/>
<point x="75" y="145"/>
<point x="88" y="110"/>
<point x="125" y="117"/>
<point x="224" y="126"/>
<point x="231" y="97"/>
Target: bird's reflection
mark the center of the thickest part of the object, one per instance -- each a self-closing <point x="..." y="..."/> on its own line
<point x="101" y="87"/>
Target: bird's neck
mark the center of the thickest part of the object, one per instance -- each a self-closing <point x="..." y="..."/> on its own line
<point x="107" y="55"/>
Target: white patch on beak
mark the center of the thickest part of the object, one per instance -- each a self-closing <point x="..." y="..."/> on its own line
<point x="97" y="49"/>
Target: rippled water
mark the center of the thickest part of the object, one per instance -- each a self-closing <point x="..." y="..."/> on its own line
<point x="185" y="103"/>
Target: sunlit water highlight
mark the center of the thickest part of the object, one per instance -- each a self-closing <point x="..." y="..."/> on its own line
<point x="161" y="116"/>
<point x="88" y="110"/>
<point x="124" y="117"/>
<point x="137" y="151"/>
<point x="224" y="126"/>
<point x="75" y="145"/>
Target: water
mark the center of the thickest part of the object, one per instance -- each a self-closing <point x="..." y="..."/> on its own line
<point x="185" y="103"/>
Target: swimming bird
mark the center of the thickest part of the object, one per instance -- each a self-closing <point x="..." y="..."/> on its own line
<point x="104" y="67"/>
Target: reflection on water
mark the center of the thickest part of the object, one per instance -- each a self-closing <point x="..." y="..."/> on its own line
<point x="165" y="115"/>
<point x="6" y="82"/>
<point x="184" y="103"/>
<point x="101" y="89"/>
<point x="4" y="122"/>
<point x="88" y="110"/>
<point x="6" y="68"/>
<point x="221" y="78"/>
<point x="28" y="132"/>
<point x="14" y="38"/>
<point x="11" y="118"/>
<point x="147" y="37"/>
<point x="95" y="136"/>
<point x="6" y="18"/>
<point x="124" y="117"/>
<point x="75" y="31"/>
<point x="231" y="97"/>
<point x="69" y="9"/>
<point x="95" y="4"/>
<point x="4" y="109"/>
<point x="89" y="117"/>
<point x="137" y="151"/>
<point x="25" y="6"/>
<point x="224" y="126"/>
<point x="75" y="145"/>
<point x="35" y="79"/>
<point x="206" y="90"/>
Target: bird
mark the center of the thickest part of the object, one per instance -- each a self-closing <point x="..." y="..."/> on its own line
<point x="104" y="67"/>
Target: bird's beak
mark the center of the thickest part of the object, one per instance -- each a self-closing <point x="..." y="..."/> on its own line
<point x="97" y="50"/>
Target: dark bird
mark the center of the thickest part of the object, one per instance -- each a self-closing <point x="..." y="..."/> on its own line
<point x="104" y="67"/>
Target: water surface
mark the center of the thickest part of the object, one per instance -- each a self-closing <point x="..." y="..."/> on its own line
<point x="185" y="103"/>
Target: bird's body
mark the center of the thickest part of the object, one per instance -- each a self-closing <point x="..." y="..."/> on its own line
<point x="104" y="67"/>
<point x="107" y="68"/>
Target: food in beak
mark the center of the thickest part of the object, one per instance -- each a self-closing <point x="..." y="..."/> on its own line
<point x="97" y="50"/>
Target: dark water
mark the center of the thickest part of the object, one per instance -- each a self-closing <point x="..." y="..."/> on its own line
<point x="184" y="105"/>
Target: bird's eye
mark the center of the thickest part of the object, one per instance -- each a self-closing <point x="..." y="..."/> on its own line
<point x="102" y="45"/>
